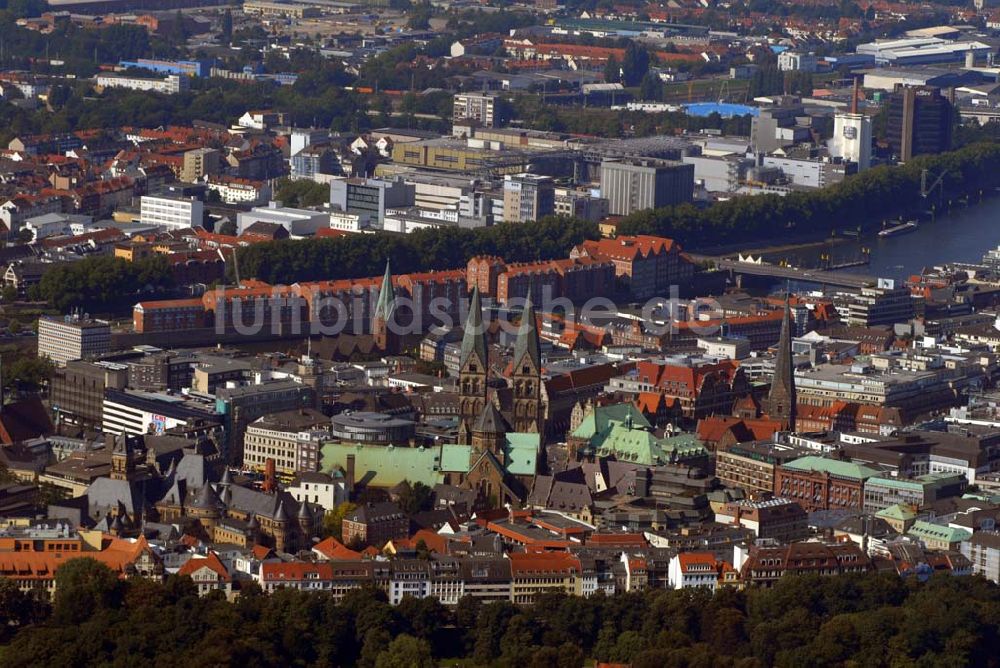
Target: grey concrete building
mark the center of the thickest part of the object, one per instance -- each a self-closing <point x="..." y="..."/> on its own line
<point x="637" y="184"/>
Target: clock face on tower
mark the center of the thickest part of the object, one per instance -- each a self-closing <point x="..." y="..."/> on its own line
<point x="850" y="132"/>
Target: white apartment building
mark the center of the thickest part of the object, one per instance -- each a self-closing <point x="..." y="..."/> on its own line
<point x="240" y="191"/>
<point x="169" y="86"/>
<point x="172" y="213"/>
<point x="694" y="569"/>
<point x="983" y="550"/>
<point x="477" y="107"/>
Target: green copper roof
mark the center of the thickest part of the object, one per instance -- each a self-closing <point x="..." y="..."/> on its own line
<point x="928" y="531"/>
<point x="640" y="446"/>
<point x="898" y="511"/>
<point x="474" y="335"/>
<point x="455" y="458"/>
<point x="527" y="335"/>
<point x="683" y="446"/>
<point x="386" y="297"/>
<point x="391" y="465"/>
<point x="915" y="484"/>
<point x="598" y="419"/>
<point x="521" y="452"/>
<point x="834" y="467"/>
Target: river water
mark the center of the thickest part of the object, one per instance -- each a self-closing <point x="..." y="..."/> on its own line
<point x="961" y="235"/>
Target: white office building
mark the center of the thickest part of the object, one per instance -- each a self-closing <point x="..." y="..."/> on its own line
<point x="298" y="222"/>
<point x="173" y="213"/>
<point x="349" y="222"/>
<point x="72" y="338"/>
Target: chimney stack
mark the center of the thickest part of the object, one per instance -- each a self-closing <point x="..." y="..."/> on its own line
<point x="350" y="473"/>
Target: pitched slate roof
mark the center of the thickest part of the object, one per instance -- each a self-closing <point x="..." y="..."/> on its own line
<point x="490" y="420"/>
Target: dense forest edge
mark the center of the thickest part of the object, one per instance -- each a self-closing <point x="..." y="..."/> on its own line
<point x="873" y="620"/>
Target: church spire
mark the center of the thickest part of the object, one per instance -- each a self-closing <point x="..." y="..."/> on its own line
<point x="527" y="335"/>
<point x="386" y="297"/>
<point x="781" y="398"/>
<point x="473" y="369"/>
<point x="526" y="376"/>
<point x="382" y="317"/>
<point x="474" y="335"/>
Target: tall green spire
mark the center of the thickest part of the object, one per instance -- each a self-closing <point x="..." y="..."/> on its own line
<point x="781" y="398"/>
<point x="386" y="297"/>
<point x="527" y="334"/>
<point x="474" y="336"/>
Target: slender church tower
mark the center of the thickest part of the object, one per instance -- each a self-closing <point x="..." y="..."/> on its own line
<point x="781" y="398"/>
<point x="527" y="374"/>
<point x="385" y="339"/>
<point x="122" y="458"/>
<point x="473" y="370"/>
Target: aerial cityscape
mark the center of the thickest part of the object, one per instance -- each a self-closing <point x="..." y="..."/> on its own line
<point x="406" y="334"/>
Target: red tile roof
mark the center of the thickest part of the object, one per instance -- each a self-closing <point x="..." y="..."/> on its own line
<point x="543" y="563"/>
<point x="331" y="548"/>
<point x="211" y="561"/>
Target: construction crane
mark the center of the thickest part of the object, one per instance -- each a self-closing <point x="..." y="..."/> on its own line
<point x="925" y="191"/>
<point x="236" y="268"/>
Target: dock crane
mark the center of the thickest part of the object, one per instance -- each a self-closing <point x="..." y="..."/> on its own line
<point x="925" y="191"/>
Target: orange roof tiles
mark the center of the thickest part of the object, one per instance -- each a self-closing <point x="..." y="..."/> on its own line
<point x="543" y="562"/>
<point x="331" y="548"/>
<point x="629" y="248"/>
<point x="210" y="561"/>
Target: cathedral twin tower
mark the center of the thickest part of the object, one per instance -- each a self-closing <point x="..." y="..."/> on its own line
<point x="524" y="393"/>
<point x="518" y="406"/>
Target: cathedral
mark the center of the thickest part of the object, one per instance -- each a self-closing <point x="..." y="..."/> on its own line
<point x="502" y="422"/>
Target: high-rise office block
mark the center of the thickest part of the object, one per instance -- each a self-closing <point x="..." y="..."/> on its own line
<point x="634" y="185"/>
<point x="527" y="197"/>
<point x="920" y="121"/>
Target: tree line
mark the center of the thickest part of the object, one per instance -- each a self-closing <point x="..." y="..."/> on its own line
<point x="878" y="193"/>
<point x="872" y="620"/>
<point x="360" y="255"/>
<point x="103" y="284"/>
